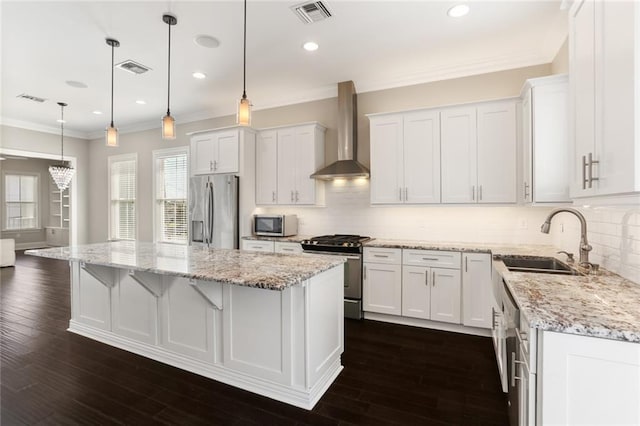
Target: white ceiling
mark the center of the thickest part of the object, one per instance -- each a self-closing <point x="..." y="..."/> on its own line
<point x="377" y="44"/>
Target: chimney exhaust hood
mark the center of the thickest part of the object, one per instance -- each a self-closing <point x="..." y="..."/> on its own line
<point x="346" y="166"/>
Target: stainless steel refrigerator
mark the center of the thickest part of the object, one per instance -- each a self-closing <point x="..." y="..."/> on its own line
<point x="213" y="211"/>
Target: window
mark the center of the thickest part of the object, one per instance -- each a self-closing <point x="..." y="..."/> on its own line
<point x="171" y="186"/>
<point x="21" y="201"/>
<point x="122" y="190"/>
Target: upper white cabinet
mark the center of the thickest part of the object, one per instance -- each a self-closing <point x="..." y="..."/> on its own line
<point x="215" y="152"/>
<point x="286" y="157"/>
<point x="604" y="95"/>
<point x="478" y="151"/>
<point x="545" y="140"/>
<point x="405" y="158"/>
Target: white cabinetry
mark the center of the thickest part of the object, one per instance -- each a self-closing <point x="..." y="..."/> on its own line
<point x="588" y="380"/>
<point x="478" y="151"/>
<point x="405" y="158"/>
<point x="134" y="307"/>
<point x="382" y="280"/>
<point x="215" y="152"/>
<point x="258" y="245"/>
<point x="604" y="97"/>
<point x="545" y="140"/>
<point x="287" y="247"/>
<point x="431" y="285"/>
<point x="286" y="157"/>
<point x="477" y="290"/>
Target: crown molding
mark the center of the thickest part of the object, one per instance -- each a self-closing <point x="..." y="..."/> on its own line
<point x="10" y="122"/>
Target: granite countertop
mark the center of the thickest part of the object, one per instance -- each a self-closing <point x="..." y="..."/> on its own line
<point x="291" y="239"/>
<point x="496" y="249"/>
<point x="270" y="271"/>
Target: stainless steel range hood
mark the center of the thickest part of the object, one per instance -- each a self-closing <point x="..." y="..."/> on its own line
<point x="346" y="166"/>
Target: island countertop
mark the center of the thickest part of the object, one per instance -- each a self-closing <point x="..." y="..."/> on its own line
<point x="270" y="271"/>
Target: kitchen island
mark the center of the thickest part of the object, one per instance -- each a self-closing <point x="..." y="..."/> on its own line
<point x="267" y="323"/>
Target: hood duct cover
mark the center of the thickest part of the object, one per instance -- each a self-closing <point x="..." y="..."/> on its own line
<point x="346" y="166"/>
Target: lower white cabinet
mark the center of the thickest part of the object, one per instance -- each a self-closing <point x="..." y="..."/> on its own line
<point x="588" y="380"/>
<point x="477" y="290"/>
<point x="382" y="281"/>
<point x="134" y="305"/>
<point x="258" y="245"/>
<point x="91" y="295"/>
<point x="431" y="293"/>
<point x="287" y="247"/>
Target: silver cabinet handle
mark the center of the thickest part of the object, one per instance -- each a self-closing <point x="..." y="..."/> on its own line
<point x="381" y="255"/>
<point x="406" y="194"/>
<point x="526" y="190"/>
<point x="466" y="264"/>
<point x="473" y="193"/>
<point x="433" y="278"/>
<point x="400" y="194"/>
<point x="297" y="199"/>
<point x="426" y="278"/>
<point x="210" y="165"/>
<point x="591" y="162"/>
<point x="480" y="193"/>
<point x="286" y="249"/>
<point x="215" y="165"/>
<point x="273" y="196"/>
<point x="431" y="258"/>
<point x="584" y="172"/>
<point x="493" y="318"/>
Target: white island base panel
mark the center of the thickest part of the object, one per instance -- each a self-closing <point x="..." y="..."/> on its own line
<point x="285" y="345"/>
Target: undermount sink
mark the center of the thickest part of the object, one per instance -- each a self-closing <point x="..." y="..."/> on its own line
<point x="539" y="264"/>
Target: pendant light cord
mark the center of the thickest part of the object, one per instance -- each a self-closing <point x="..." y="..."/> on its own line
<point x="244" y="61"/>
<point x="112" y="63"/>
<point x="169" y="69"/>
<point x="62" y="134"/>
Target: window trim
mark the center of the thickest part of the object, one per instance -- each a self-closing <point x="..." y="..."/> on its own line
<point x="38" y="198"/>
<point x="110" y="160"/>
<point x="157" y="154"/>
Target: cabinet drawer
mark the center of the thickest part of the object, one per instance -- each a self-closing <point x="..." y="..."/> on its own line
<point x="290" y="248"/>
<point x="383" y="255"/>
<point x="437" y="258"/>
<point x="255" y="245"/>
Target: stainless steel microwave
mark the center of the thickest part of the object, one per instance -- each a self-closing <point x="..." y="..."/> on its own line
<point x="275" y="225"/>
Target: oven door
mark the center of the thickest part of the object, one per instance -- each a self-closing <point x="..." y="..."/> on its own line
<point x="352" y="282"/>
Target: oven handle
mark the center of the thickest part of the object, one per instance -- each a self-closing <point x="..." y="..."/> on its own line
<point x="333" y="253"/>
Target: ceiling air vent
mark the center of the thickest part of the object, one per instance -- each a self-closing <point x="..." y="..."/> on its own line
<point x="31" y="98"/>
<point x="311" y="11"/>
<point x="132" y="67"/>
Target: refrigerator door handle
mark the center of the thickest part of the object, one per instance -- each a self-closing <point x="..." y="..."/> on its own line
<point x="212" y="207"/>
<point x="205" y="221"/>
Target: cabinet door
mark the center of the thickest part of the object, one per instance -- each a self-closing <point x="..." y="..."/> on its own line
<point x="416" y="292"/>
<point x="287" y="248"/>
<point x="304" y="165"/>
<point x="257" y="245"/>
<point x="527" y="148"/>
<point x="267" y="167"/>
<point x="91" y="298"/>
<point x="445" y="295"/>
<point x="497" y="139"/>
<point x="459" y="156"/>
<point x="582" y="71"/>
<point x="550" y="118"/>
<point x="382" y="288"/>
<point x="286" y="166"/>
<point x="227" y="154"/>
<point x="134" y="308"/>
<point x="202" y="154"/>
<point x="477" y="291"/>
<point x="422" y="157"/>
<point x="386" y="159"/>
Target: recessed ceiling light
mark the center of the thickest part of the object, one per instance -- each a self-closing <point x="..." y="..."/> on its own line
<point x="76" y="84"/>
<point x="310" y="46"/>
<point x="458" y="11"/>
<point x="141" y="102"/>
<point x="97" y="112"/>
<point x="199" y="75"/>
<point x="206" y="41"/>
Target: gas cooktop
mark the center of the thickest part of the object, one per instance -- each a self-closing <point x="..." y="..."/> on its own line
<point x="338" y="242"/>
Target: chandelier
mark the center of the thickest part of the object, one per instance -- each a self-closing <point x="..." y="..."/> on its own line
<point x="61" y="174"/>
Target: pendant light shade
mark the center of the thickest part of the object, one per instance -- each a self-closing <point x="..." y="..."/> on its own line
<point x="168" y="122"/>
<point x="61" y="174"/>
<point x="111" y="136"/>
<point x="243" y="116"/>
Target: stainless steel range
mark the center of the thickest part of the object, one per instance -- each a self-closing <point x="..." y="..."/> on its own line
<point x="350" y="247"/>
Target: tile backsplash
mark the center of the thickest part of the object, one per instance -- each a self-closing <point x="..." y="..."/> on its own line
<point x="614" y="231"/>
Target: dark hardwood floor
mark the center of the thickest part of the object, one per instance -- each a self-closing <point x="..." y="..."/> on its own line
<point x="393" y="374"/>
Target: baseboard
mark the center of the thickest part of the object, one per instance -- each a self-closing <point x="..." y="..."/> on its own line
<point x="435" y="325"/>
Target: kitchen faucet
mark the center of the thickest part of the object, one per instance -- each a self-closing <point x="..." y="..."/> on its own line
<point x="585" y="248"/>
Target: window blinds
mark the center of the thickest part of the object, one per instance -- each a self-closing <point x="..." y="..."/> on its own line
<point x="171" y="197"/>
<point x="123" y="199"/>
<point x="21" y="201"/>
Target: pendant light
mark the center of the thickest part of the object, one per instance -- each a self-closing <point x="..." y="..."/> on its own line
<point x="168" y="122"/>
<point x="243" y="117"/>
<point x="61" y="174"/>
<point x="112" y="132"/>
